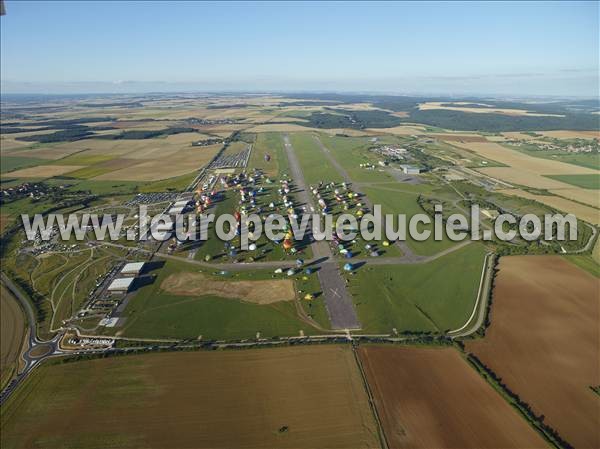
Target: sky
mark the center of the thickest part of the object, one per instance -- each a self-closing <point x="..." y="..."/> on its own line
<point x="447" y="48"/>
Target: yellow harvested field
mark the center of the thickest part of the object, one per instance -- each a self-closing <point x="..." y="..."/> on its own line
<point x="280" y="127"/>
<point x="523" y="177"/>
<point x="346" y="131"/>
<point x="523" y="162"/>
<point x="401" y="130"/>
<point x="165" y="164"/>
<point x="453" y="137"/>
<point x="519" y="136"/>
<point x="256" y="292"/>
<point x="483" y="110"/>
<point x="44" y="171"/>
<point x="590" y="197"/>
<point x="10" y="144"/>
<point x="582" y="212"/>
<point x="571" y="134"/>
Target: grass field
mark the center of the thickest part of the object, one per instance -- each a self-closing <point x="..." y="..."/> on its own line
<point x="13" y="330"/>
<point x="591" y="182"/>
<point x="436" y="296"/>
<point x="152" y="312"/>
<point x="314" y="165"/>
<point x="350" y="152"/>
<point x="282" y="397"/>
<point x="416" y="389"/>
<point x="269" y="144"/>
<point x="544" y="342"/>
<point x="403" y="202"/>
<point x="9" y="163"/>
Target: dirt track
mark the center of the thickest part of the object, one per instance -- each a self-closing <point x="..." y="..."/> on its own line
<point x="544" y="342"/>
<point x="429" y="397"/>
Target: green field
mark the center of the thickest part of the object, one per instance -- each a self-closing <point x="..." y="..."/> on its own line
<point x="152" y="313"/>
<point x="591" y="182"/>
<point x="9" y="163"/>
<point x="436" y="296"/>
<point x="350" y="152"/>
<point x="271" y="144"/>
<point x="403" y="202"/>
<point x="314" y="165"/>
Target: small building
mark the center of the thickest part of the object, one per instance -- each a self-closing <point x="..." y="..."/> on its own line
<point x="120" y="285"/>
<point x="411" y="169"/>
<point x="133" y="268"/>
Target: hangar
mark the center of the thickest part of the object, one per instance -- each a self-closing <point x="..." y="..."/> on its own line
<point x="134" y="268"/>
<point x="121" y="285"/>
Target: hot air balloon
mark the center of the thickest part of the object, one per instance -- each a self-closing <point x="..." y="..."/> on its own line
<point x="347" y="267"/>
<point x="252" y="247"/>
<point x="287" y="244"/>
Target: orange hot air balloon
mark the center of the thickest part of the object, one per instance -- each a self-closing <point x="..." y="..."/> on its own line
<point x="237" y="216"/>
<point x="287" y="244"/>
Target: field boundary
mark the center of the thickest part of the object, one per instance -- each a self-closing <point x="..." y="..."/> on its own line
<point x="373" y="406"/>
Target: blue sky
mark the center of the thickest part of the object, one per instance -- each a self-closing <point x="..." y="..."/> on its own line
<point x="440" y="47"/>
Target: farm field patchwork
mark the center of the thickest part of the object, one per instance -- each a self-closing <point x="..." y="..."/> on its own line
<point x="544" y="342"/>
<point x="481" y="109"/>
<point x="281" y="397"/>
<point x="44" y="171"/>
<point x="581" y="211"/>
<point x="591" y="182"/>
<point x="416" y="389"/>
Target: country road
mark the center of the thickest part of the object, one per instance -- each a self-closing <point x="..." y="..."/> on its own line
<point x="30" y="357"/>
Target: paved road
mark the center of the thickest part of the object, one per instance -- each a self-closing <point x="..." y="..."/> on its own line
<point x="407" y="254"/>
<point x="475" y="321"/>
<point x="337" y="299"/>
<point x="30" y="357"/>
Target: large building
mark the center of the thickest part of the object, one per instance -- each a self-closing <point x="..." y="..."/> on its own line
<point x="133" y="268"/>
<point x="120" y="285"/>
<point x="411" y="169"/>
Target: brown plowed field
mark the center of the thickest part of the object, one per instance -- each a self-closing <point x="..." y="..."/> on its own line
<point x="432" y="398"/>
<point x="544" y="342"/>
<point x="300" y="397"/>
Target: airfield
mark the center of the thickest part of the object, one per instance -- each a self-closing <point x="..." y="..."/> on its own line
<point x="370" y="318"/>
